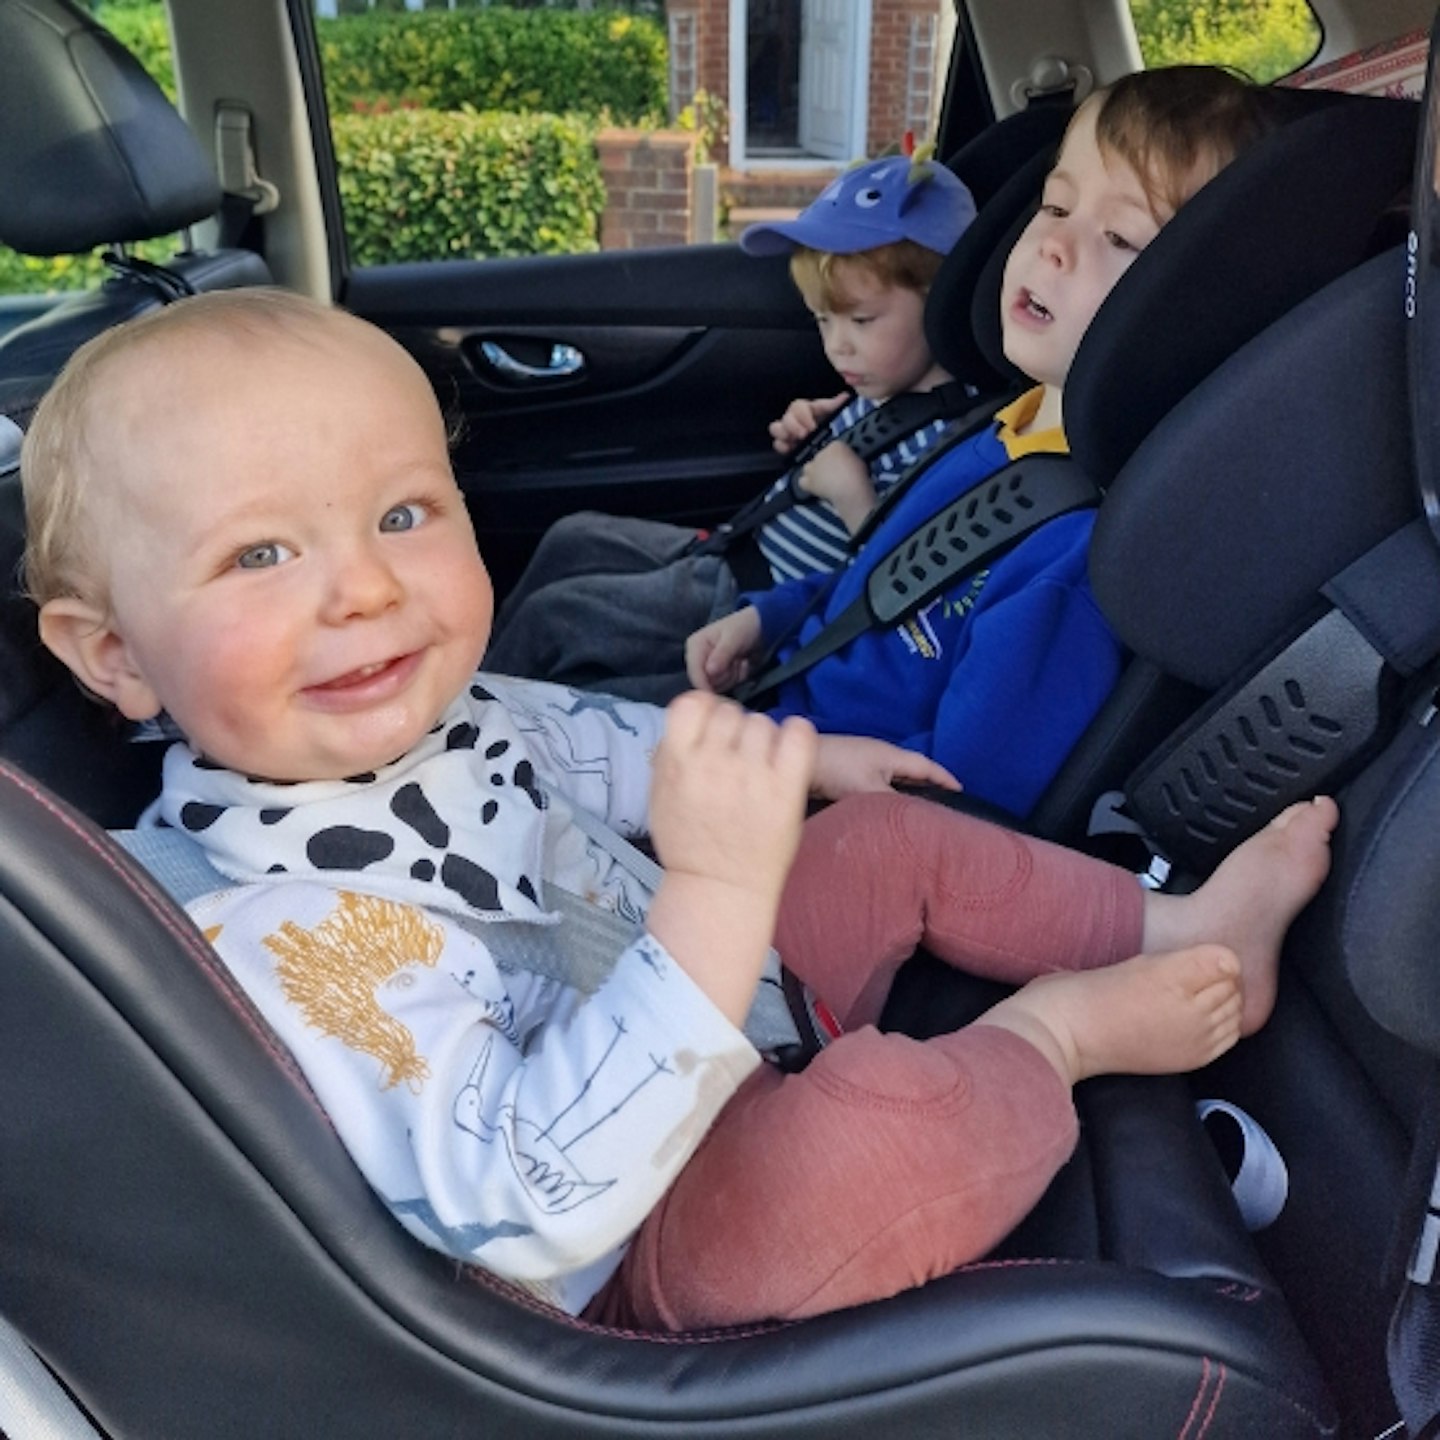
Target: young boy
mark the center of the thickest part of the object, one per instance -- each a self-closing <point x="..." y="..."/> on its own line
<point x="533" y="1059"/>
<point x="608" y="601"/>
<point x="997" y="679"/>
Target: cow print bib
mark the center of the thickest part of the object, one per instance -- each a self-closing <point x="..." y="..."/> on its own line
<point x="457" y="824"/>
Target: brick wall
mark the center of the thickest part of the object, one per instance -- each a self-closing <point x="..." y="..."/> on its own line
<point x="700" y="30"/>
<point x="649" y="184"/>
<point x="904" y="86"/>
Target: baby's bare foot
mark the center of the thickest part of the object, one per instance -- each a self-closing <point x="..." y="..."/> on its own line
<point x="1150" y="1015"/>
<point x="1250" y="900"/>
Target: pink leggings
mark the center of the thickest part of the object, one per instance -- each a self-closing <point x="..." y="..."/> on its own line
<point x="887" y="1161"/>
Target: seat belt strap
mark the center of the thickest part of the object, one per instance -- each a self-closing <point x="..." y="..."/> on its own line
<point x="592" y="938"/>
<point x="874" y="433"/>
<point x="1304" y="717"/>
<point x="967" y="535"/>
<point x="976" y="419"/>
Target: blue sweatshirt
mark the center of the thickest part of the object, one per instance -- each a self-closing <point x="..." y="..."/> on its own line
<point x="997" y="679"/>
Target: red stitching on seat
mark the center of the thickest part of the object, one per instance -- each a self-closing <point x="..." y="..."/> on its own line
<point x="190" y="939"/>
<point x="1214" y="1401"/>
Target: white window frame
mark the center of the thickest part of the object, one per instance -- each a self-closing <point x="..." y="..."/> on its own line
<point x="859" y="117"/>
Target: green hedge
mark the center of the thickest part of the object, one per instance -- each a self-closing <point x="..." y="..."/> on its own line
<point x="598" y="62"/>
<point x="1264" y="41"/>
<point x="142" y="30"/>
<point x="436" y="185"/>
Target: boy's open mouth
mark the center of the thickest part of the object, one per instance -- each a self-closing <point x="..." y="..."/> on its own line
<point x="1034" y="307"/>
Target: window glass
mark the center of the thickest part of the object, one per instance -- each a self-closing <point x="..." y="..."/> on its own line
<point x="465" y="129"/>
<point x="1262" y="38"/>
<point x="141" y="27"/>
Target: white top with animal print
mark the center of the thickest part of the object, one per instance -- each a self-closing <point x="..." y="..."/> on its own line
<point x="505" y="1118"/>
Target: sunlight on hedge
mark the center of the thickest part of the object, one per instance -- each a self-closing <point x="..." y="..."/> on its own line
<point x="1262" y="38"/>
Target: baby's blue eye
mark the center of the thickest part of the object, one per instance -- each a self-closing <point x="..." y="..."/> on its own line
<point x="262" y="557"/>
<point x="402" y="517"/>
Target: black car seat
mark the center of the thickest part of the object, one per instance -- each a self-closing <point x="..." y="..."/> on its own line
<point x="1315" y="199"/>
<point x="92" y="154"/>
<point x="1207" y="284"/>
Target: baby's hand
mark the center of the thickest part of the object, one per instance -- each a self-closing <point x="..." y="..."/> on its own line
<point x="800" y="418"/>
<point x="718" y="656"/>
<point x="839" y="475"/>
<point x="726" y="806"/>
<point x="729" y="793"/>
<point x="853" y="764"/>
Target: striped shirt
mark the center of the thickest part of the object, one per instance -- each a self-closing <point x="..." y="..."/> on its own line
<point x="811" y="538"/>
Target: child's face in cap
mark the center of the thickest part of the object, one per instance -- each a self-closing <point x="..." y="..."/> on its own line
<point x="292" y="571"/>
<point x="875" y="339"/>
<point x="1095" y="218"/>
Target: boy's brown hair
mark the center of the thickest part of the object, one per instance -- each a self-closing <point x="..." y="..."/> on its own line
<point x="1166" y="124"/>
<point x="820" y="276"/>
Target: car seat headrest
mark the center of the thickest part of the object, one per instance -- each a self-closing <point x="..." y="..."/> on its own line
<point x="1297" y="209"/>
<point x="968" y="283"/>
<point x="1269" y="230"/>
<point x="91" y="151"/>
<point x="1289" y="462"/>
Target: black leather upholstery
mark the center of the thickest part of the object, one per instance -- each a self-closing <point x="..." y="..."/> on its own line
<point x="91" y="151"/>
<point x="187" y="1244"/>
<point x="92" y="154"/>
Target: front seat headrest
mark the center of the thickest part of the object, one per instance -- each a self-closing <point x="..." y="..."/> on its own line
<point x="91" y="151"/>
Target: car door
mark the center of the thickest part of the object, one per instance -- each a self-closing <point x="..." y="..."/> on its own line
<point x="637" y="381"/>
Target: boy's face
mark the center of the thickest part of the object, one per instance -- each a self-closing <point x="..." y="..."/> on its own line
<point x="876" y="340"/>
<point x="1094" y="219"/>
<point x="293" y="575"/>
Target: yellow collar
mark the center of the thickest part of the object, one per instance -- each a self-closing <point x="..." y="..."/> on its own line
<point x="1016" y="416"/>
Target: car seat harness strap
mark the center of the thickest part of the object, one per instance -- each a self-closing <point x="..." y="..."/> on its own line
<point x="967" y="535"/>
<point x="870" y="436"/>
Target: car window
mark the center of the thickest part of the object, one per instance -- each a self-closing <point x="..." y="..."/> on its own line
<point x="467" y="130"/>
<point x="1264" y="39"/>
<point x="464" y="130"/>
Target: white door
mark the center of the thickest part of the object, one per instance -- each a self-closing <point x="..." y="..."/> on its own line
<point x="829" y="84"/>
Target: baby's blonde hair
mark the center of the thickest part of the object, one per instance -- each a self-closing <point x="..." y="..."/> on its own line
<point x="62" y="462"/>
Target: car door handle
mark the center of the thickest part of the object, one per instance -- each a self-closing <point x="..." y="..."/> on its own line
<point x="565" y="363"/>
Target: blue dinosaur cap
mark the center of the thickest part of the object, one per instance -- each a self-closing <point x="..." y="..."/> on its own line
<point x="877" y="203"/>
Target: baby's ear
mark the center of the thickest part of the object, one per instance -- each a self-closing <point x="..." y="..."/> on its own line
<point x="85" y="638"/>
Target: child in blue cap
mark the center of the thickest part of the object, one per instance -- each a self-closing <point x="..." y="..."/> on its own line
<point x="607" y="602"/>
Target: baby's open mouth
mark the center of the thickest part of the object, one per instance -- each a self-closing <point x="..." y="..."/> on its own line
<point x="359" y="676"/>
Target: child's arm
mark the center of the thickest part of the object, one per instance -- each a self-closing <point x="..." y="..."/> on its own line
<point x="854" y="764"/>
<point x="839" y="475"/>
<point x="718" y="656"/>
<point x="725" y="815"/>
<point x="802" y="418"/>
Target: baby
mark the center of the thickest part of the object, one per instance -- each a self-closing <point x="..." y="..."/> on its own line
<point x="242" y="518"/>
